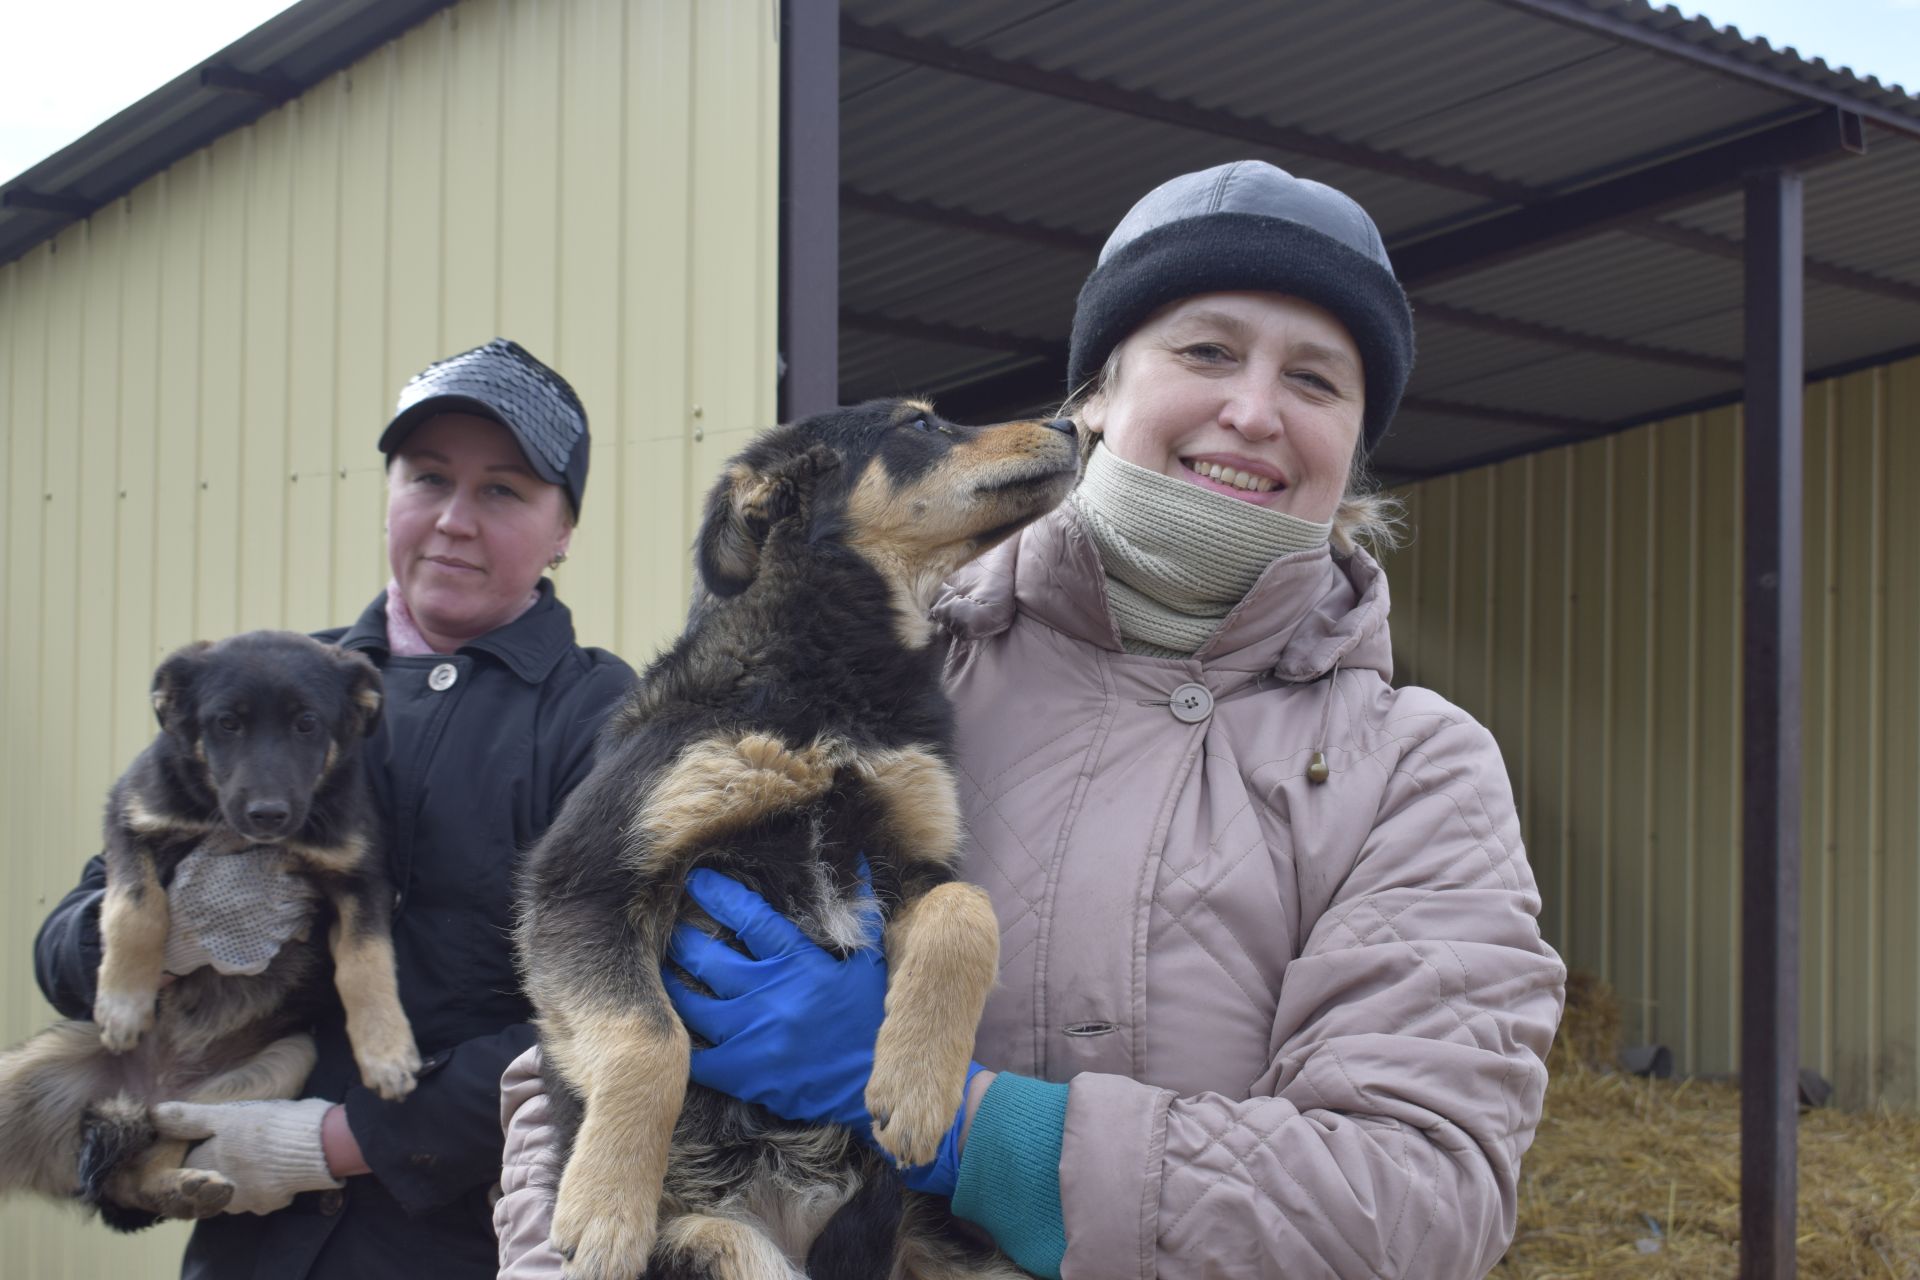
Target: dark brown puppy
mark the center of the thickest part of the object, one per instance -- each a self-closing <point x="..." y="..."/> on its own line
<point x="798" y="723"/>
<point x="258" y="752"/>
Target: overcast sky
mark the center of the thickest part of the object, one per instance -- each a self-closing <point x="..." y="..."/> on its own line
<point x="65" y="68"/>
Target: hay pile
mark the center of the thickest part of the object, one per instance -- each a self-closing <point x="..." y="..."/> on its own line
<point x="1633" y="1177"/>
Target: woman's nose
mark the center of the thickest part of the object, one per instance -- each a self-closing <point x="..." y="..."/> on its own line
<point x="1252" y="413"/>
<point x="456" y="517"/>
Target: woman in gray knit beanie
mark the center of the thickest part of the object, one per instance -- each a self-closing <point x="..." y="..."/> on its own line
<point x="1273" y="999"/>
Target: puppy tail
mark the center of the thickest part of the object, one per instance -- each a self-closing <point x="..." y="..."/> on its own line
<point x="46" y="1084"/>
<point x="112" y="1134"/>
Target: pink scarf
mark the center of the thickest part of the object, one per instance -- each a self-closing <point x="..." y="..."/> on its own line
<point x="404" y="639"/>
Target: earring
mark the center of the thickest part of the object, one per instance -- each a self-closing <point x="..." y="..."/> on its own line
<point x="559" y="558"/>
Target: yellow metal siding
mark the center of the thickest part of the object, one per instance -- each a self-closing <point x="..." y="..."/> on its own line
<point x="192" y="381"/>
<point x="1585" y="604"/>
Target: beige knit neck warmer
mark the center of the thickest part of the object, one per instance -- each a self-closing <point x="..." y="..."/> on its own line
<point x="1178" y="558"/>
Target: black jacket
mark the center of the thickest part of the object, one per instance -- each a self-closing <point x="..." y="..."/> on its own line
<point x="466" y="779"/>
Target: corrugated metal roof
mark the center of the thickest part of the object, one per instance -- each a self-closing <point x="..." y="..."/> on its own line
<point x="1434" y="114"/>
<point x="1670" y="22"/>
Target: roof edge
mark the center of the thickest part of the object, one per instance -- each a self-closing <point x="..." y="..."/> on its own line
<point x="1697" y="40"/>
<point x="274" y="63"/>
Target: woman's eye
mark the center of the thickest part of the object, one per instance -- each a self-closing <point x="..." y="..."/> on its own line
<point x="430" y="478"/>
<point x="1315" y="380"/>
<point x="503" y="491"/>
<point x="1208" y="351"/>
<point x="306" y="722"/>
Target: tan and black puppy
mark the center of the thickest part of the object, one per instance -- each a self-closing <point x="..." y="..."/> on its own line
<point x="798" y="723"/>
<point x="258" y="755"/>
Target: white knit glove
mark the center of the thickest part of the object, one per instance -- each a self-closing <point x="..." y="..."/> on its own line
<point x="270" y="1151"/>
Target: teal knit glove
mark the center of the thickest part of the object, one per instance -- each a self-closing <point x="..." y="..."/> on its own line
<point x="1010" y="1171"/>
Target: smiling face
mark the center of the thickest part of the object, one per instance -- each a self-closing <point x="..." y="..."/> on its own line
<point x="470" y="527"/>
<point x="1258" y="396"/>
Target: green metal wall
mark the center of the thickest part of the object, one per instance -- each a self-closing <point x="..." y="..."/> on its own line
<point x="1585" y="604"/>
<point x="192" y="381"/>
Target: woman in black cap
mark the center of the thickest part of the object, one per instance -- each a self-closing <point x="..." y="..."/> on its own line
<point x="1273" y="999"/>
<point x="490" y="718"/>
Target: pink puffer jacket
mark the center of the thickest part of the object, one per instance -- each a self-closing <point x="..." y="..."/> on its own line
<point x="1303" y="1023"/>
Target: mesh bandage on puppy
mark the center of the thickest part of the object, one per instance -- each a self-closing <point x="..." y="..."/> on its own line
<point x="270" y="1151"/>
<point x="234" y="910"/>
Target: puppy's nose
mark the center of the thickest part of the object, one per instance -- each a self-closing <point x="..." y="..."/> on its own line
<point x="268" y="815"/>
<point x="1063" y="425"/>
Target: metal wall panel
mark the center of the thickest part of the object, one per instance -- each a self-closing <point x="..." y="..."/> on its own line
<point x="192" y="381"/>
<point x="1584" y="604"/>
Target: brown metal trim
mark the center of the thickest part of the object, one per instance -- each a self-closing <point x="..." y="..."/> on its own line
<point x="809" y="299"/>
<point x="957" y="335"/>
<point x="1824" y="272"/>
<point x="1770" y="728"/>
<point x="1079" y="242"/>
<point x="1611" y="203"/>
<point x="1495" y="457"/>
<point x="45" y="202"/>
<point x="1575" y="428"/>
<point x="1462" y="318"/>
<point x="268" y="88"/>
<point x="985" y="224"/>
<point x="1674" y="43"/>
<point x="942" y="56"/>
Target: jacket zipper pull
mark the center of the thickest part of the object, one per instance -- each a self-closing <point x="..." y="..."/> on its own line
<point x="1317" y="770"/>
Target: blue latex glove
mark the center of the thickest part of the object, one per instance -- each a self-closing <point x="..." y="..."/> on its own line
<point x="792" y="1025"/>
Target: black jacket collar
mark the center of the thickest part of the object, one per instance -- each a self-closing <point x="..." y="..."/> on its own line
<point x="529" y="646"/>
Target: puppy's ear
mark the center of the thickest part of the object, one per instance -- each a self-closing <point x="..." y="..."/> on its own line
<point x="365" y="689"/>
<point x="744" y="506"/>
<point x="173" y="685"/>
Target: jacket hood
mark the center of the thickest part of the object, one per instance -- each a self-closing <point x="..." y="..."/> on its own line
<point x="1308" y="613"/>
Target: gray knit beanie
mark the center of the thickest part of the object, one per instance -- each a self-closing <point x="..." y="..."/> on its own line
<point x="1250" y="225"/>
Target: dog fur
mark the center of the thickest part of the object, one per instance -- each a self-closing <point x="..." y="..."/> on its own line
<point x="259" y="746"/>
<point x="798" y="723"/>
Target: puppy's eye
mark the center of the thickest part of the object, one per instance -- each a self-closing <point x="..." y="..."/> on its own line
<point x="228" y="722"/>
<point x="306" y="722"/>
<point x="920" y="424"/>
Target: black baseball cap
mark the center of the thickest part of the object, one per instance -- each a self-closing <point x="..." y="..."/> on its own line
<point x="502" y="381"/>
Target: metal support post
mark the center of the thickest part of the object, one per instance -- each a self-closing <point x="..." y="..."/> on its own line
<point x="809" y="206"/>
<point x="1770" y="700"/>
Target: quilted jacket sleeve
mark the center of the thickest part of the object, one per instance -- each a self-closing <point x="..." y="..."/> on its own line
<point x="1407" y="1075"/>
<point x="523" y="1215"/>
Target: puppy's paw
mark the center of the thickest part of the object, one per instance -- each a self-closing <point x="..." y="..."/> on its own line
<point x="391" y="1080"/>
<point x="388" y="1059"/>
<point x="604" y="1233"/>
<point x="191" y="1193"/>
<point x="123" y="1018"/>
<point x="911" y="1109"/>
